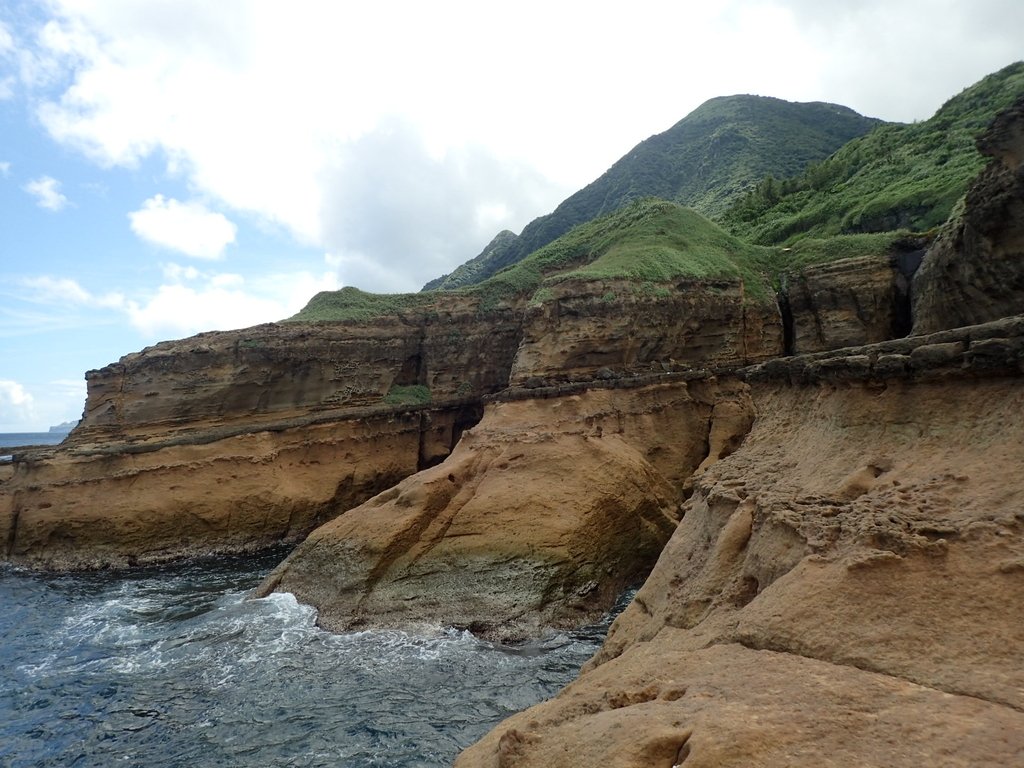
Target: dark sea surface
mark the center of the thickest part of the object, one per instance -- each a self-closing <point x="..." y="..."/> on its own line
<point x="8" y="439"/>
<point x="174" y="666"/>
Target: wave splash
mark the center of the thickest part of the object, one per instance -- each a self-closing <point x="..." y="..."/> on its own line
<point x="175" y="666"/>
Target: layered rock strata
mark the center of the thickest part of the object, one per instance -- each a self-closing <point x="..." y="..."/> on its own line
<point x="585" y="326"/>
<point x="239" y="440"/>
<point x="269" y="373"/>
<point x="843" y="589"/>
<point x="123" y="503"/>
<point x="845" y="303"/>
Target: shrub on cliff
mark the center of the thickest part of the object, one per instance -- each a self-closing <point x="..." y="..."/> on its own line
<point x="414" y="394"/>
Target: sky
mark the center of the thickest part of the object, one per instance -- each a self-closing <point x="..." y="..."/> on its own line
<point x="175" y="166"/>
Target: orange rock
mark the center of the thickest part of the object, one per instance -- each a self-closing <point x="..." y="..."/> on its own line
<point x="843" y="589"/>
<point x="541" y="516"/>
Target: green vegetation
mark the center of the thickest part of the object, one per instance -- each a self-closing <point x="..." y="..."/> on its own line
<point x="705" y="161"/>
<point x="415" y="394"/>
<point x="896" y="177"/>
<point x="353" y="305"/>
<point x="815" y="250"/>
<point x="648" y="241"/>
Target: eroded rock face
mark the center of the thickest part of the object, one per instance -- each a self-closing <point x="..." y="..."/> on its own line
<point x="727" y="706"/>
<point x="843" y="304"/>
<point x="541" y="516"/>
<point x="162" y="464"/>
<point x="287" y="370"/>
<point x="143" y="502"/>
<point x="846" y="584"/>
<point x="583" y="327"/>
<point x="975" y="271"/>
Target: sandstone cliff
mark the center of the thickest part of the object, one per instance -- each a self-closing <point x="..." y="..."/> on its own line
<point x="241" y="440"/>
<point x="584" y="326"/>
<point x="845" y="303"/>
<point x="276" y="372"/>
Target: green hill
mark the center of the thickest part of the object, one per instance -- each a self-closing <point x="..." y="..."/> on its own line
<point x="705" y="161"/>
<point x="895" y="177"/>
<point x="648" y="241"/>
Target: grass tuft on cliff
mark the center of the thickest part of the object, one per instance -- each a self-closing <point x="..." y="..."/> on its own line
<point x="895" y="177"/>
<point x="413" y="394"/>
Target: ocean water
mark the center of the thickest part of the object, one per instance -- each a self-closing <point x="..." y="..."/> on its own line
<point x="15" y="439"/>
<point x="9" y="439"/>
<point x="175" y="666"/>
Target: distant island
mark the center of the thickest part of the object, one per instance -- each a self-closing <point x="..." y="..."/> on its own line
<point x="64" y="428"/>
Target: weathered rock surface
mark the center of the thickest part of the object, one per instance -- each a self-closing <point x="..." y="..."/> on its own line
<point x="145" y="501"/>
<point x="543" y="514"/>
<point x="995" y="348"/>
<point x="726" y="705"/>
<point x="975" y="271"/>
<point x="198" y="445"/>
<point x="844" y="589"/>
<point x="289" y="370"/>
<point x="845" y="303"/>
<point x="584" y="327"/>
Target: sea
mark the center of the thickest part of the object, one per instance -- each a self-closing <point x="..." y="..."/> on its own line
<point x="179" y="666"/>
<point x="9" y="439"/>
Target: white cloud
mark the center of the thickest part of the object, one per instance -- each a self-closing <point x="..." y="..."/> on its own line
<point x="54" y="290"/>
<point x="180" y="310"/>
<point x="224" y="302"/>
<point x="64" y="400"/>
<point x="5" y="168"/>
<point x="176" y="273"/>
<point x="189" y="300"/>
<point x="394" y="213"/>
<point x="6" y="39"/>
<point x="41" y="404"/>
<point x="17" y="406"/>
<point x="188" y="227"/>
<point x="46" y="191"/>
